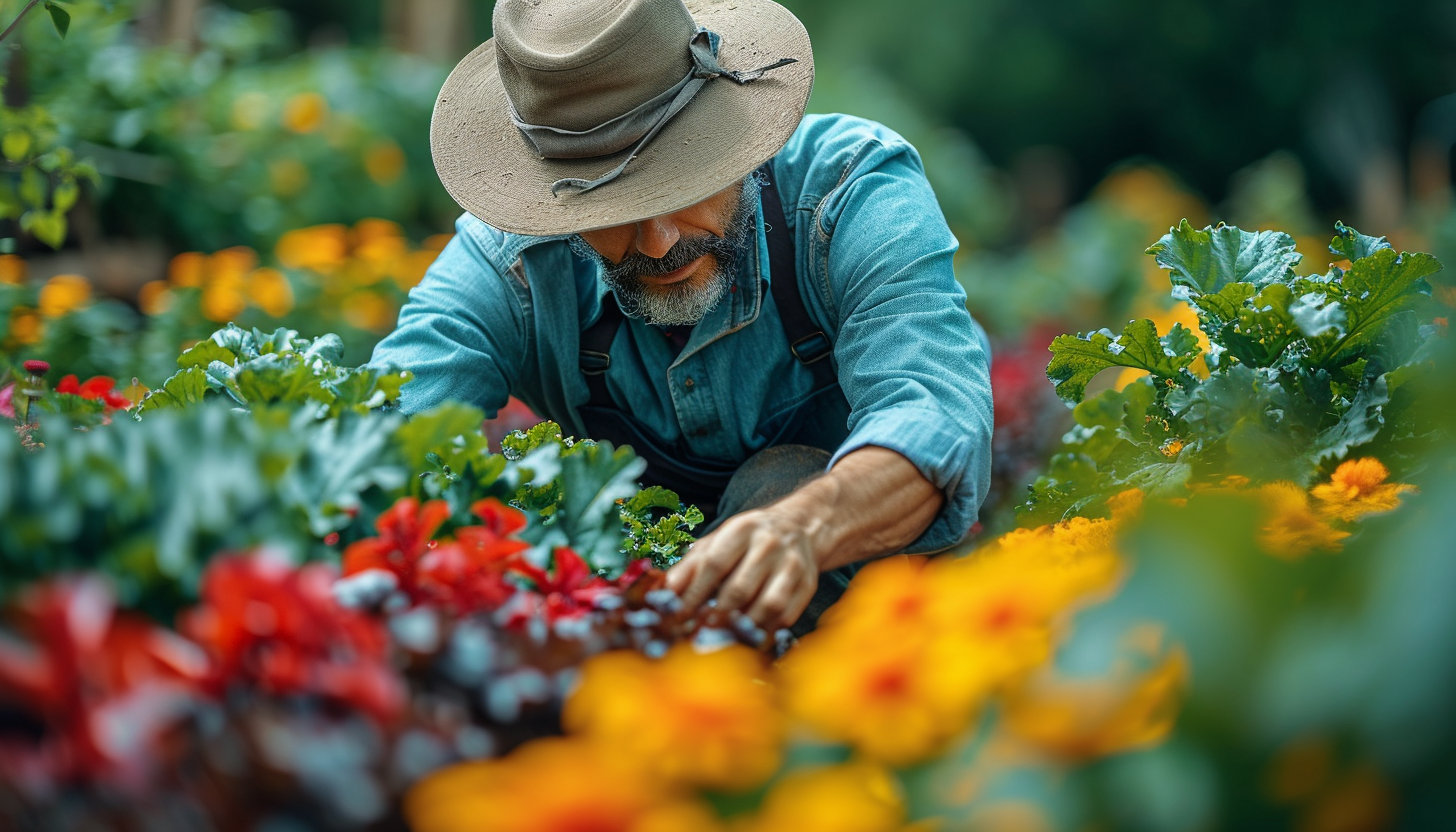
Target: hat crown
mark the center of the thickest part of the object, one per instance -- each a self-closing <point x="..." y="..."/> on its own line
<point x="575" y="64"/>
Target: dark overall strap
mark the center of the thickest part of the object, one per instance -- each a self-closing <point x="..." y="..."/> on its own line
<point x="807" y="342"/>
<point x="596" y="351"/>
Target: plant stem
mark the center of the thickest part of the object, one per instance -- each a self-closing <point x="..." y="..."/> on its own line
<point x="16" y="22"/>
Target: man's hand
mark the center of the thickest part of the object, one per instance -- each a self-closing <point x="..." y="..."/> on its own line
<point x="766" y="562"/>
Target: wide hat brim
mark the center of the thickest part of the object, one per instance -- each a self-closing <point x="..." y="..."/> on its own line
<point x="726" y="132"/>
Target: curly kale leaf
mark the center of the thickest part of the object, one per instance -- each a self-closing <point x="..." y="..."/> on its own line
<point x="1077" y="359"/>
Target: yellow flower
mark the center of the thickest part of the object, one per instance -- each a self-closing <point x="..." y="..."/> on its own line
<point x="384" y="162"/>
<point x="12" y="270"/>
<point x="305" y="112"/>
<point x="1082" y="719"/>
<point x="705" y="719"/>
<point x="411" y="268"/>
<point x="370" y="229"/>
<point x="187" y="269"/>
<point x="368" y="311"/>
<point x="855" y="797"/>
<point x="897" y="699"/>
<point x="321" y="247"/>
<point x="26" y="327"/>
<point x="154" y="297"/>
<point x="1125" y="504"/>
<point x="900" y="665"/>
<point x="249" y="110"/>
<point x="1292" y="528"/>
<point x="553" y="785"/>
<point x="231" y="264"/>
<point x="64" y="293"/>
<point x="1358" y="488"/>
<point x="287" y="177"/>
<point x="223" y="300"/>
<point x="270" y="291"/>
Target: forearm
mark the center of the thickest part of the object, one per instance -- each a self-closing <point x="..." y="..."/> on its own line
<point x="873" y="502"/>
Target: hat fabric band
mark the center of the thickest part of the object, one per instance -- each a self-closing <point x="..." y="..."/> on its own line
<point x="640" y="124"/>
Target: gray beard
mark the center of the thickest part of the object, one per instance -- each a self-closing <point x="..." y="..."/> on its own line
<point x="689" y="301"/>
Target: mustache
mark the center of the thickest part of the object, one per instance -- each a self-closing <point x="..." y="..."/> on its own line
<point x="683" y="252"/>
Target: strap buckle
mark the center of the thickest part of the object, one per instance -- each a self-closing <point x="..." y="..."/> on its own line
<point x="811" y="348"/>
<point x="593" y="363"/>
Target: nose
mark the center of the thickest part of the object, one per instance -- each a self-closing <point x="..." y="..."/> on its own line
<point x="656" y="236"/>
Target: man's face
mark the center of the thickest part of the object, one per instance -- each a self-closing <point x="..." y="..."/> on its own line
<point x="673" y="269"/>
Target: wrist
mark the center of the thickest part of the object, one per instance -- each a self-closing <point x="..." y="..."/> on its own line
<point x="812" y="511"/>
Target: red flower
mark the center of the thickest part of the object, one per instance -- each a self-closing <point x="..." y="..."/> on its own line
<point x="462" y="575"/>
<point x="95" y="388"/>
<point x="279" y="628"/>
<point x="469" y="574"/>
<point x="570" y="591"/>
<point x="104" y="688"/>
<point x="404" y="536"/>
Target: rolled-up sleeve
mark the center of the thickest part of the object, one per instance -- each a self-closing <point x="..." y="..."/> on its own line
<point x="462" y="332"/>
<point x="913" y="364"/>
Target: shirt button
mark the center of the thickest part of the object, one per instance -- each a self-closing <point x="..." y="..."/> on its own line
<point x="688" y="383"/>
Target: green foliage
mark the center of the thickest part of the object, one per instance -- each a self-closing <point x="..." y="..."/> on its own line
<point x="41" y="179"/>
<point x="1301" y="370"/>
<point x="658" y="526"/>
<point x="256" y="368"/>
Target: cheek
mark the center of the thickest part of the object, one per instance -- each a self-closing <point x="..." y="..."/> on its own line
<point x="610" y="243"/>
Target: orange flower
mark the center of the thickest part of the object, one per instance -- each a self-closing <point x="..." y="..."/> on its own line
<point x="855" y="797"/>
<point x="553" y="785"/>
<point x="26" y="326"/>
<point x="1292" y="528"/>
<point x="900" y="665"/>
<point x="1083" y="719"/>
<point x="320" y="247"/>
<point x="384" y="162"/>
<point x="64" y="293"/>
<point x="1358" y="488"/>
<point x="705" y="719"/>
<point x="368" y="311"/>
<point x="270" y="291"/>
<point x="305" y="112"/>
<point x="187" y="269"/>
<point x="154" y="297"/>
<point x="12" y="270"/>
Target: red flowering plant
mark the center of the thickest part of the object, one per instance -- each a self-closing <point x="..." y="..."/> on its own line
<point x="278" y="629"/>
<point x="460" y="575"/>
<point x="88" y="696"/>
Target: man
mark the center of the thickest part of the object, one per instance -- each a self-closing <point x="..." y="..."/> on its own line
<point x="661" y="250"/>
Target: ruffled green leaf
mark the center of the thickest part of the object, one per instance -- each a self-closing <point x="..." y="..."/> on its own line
<point x="1077" y="359"/>
<point x="1205" y="261"/>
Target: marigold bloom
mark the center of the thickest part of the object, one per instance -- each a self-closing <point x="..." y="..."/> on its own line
<point x="384" y="162"/>
<point x="1358" y="488"/>
<point x="154" y="297"/>
<point x="270" y="291"/>
<point x="12" y="269"/>
<point x="1292" y="528"/>
<point x="305" y="112"/>
<point x="856" y="797"/>
<point x="187" y="269"/>
<point x="26" y="327"/>
<point x="368" y="311"/>
<point x="704" y="719"/>
<point x="320" y="247"/>
<point x="1083" y="719"/>
<point x="63" y="293"/>
<point x="553" y="785"/>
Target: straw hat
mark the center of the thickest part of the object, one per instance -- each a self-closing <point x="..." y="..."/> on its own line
<point x="531" y="128"/>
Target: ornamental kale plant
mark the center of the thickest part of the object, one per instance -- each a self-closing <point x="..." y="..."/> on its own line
<point x="1298" y="369"/>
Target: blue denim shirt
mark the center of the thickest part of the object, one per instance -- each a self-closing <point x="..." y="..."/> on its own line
<point x="500" y="314"/>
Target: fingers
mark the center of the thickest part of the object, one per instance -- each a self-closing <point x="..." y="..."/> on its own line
<point x="712" y="558"/>
<point x="752" y="572"/>
<point x="784" y="598"/>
